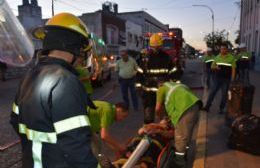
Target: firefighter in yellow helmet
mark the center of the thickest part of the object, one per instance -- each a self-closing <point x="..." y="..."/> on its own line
<point x="156" y="41"/>
<point x="49" y="112"/>
<point x="155" y="68"/>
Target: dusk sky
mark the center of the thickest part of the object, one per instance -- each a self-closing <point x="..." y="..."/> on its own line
<point x="195" y="21"/>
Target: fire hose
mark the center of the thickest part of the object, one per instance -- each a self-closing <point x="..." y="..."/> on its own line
<point x="138" y="152"/>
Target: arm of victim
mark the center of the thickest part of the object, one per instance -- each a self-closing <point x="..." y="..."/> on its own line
<point x="110" y="140"/>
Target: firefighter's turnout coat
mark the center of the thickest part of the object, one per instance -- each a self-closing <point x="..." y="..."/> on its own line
<point x="154" y="67"/>
<point x="49" y="114"/>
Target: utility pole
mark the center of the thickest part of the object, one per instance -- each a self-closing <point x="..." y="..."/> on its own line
<point x="213" y="22"/>
<point x="52" y="7"/>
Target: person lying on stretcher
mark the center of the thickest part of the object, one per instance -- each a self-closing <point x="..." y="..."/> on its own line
<point x="164" y="128"/>
<point x="160" y="135"/>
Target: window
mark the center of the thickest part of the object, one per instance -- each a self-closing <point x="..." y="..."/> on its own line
<point x="258" y="52"/>
<point x="112" y="34"/>
<point x="146" y="27"/>
<point x="246" y="7"/>
<point x="256" y="41"/>
<point x="141" y="42"/>
<point x="250" y="20"/>
<point x="249" y="42"/>
<point x="130" y="37"/>
<point x="135" y="39"/>
<point x="251" y="6"/>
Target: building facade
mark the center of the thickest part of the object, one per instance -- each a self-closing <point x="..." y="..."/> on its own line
<point x="134" y="40"/>
<point x="148" y="22"/>
<point x="250" y="27"/>
<point x="30" y="15"/>
<point x="118" y="30"/>
<point x="106" y="25"/>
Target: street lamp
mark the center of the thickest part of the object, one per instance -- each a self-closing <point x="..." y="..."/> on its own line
<point x="212" y="13"/>
<point x="52" y="7"/>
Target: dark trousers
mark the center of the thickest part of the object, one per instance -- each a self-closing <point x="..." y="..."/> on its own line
<point x="219" y="83"/>
<point x="129" y="84"/>
<point x="2" y="71"/>
<point x="243" y="68"/>
<point x="209" y="79"/>
<point x="243" y="75"/>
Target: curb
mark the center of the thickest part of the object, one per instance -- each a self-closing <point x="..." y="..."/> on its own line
<point x="201" y="142"/>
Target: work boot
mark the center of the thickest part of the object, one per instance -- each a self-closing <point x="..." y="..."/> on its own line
<point x="186" y="154"/>
<point x="179" y="161"/>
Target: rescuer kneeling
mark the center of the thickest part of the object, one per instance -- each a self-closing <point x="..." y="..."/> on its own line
<point x="103" y="117"/>
<point x="182" y="107"/>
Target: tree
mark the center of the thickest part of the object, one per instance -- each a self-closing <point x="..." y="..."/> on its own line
<point x="219" y="38"/>
<point x="237" y="40"/>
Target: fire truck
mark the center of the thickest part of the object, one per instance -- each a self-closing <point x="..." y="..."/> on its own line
<point x="172" y="45"/>
<point x="98" y="62"/>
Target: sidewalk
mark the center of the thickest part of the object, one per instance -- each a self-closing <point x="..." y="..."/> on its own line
<point x="217" y="153"/>
<point x="212" y="135"/>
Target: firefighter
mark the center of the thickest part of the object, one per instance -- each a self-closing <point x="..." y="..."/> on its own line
<point x="49" y="112"/>
<point x="155" y="68"/>
<point x="243" y="62"/>
<point x="182" y="106"/>
<point x="142" y="56"/>
<point x="208" y="59"/>
<point x="224" y="67"/>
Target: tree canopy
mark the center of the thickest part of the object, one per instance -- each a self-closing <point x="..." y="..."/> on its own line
<point x="215" y="40"/>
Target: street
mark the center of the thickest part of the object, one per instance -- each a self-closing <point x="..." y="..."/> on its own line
<point x="217" y="154"/>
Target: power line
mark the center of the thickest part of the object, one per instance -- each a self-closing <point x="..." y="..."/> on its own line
<point x="234" y="20"/>
<point x="166" y="3"/>
<point x="171" y="8"/>
<point x="89" y="3"/>
<point x="70" y="5"/>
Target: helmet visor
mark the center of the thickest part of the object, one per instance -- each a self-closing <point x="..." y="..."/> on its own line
<point x="15" y="48"/>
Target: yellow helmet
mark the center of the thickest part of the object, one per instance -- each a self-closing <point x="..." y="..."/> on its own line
<point x="156" y="40"/>
<point x="64" y="21"/>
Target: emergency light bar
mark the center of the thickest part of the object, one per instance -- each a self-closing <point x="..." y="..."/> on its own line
<point x="163" y="34"/>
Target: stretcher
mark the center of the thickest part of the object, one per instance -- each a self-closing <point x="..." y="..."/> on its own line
<point x="146" y="152"/>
